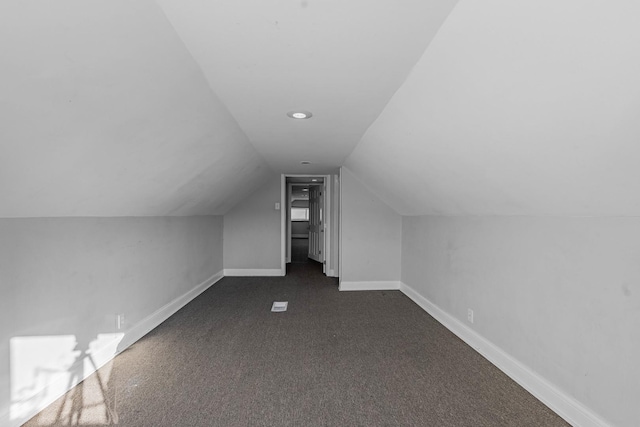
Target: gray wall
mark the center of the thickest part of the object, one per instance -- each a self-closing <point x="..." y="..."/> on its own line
<point x="371" y="234"/>
<point x="70" y="276"/>
<point x="252" y="230"/>
<point x="300" y="227"/>
<point x="561" y="295"/>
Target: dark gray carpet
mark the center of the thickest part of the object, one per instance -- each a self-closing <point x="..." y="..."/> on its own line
<point x="333" y="359"/>
<point x="299" y="250"/>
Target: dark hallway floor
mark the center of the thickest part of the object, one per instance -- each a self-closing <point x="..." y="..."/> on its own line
<point x="299" y="250"/>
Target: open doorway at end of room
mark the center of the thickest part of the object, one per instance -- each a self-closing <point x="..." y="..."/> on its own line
<point x="299" y="218"/>
<point x="307" y="222"/>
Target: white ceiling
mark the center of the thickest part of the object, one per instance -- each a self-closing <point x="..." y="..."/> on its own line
<point x="516" y="108"/>
<point x="300" y="192"/>
<point x="341" y="60"/>
<point x="138" y="107"/>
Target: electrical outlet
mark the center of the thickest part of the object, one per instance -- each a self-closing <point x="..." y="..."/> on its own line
<point x="470" y="315"/>
<point x="119" y="321"/>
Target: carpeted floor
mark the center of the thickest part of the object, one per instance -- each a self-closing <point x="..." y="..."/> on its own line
<point x="299" y="250"/>
<point x="333" y="359"/>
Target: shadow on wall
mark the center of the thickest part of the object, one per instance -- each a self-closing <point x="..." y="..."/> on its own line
<point x="43" y="368"/>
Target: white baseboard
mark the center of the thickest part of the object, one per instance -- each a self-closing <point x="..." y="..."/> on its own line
<point x="147" y="324"/>
<point x="564" y="405"/>
<point x="108" y="349"/>
<point x="369" y="286"/>
<point x="252" y="272"/>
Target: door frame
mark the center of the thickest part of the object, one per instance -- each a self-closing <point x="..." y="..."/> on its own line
<point x="323" y="220"/>
<point x="286" y="224"/>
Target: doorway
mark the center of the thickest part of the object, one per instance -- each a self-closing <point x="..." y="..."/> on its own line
<point x="299" y="217"/>
<point x="306" y="221"/>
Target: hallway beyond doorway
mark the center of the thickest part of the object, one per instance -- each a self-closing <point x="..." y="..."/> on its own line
<point x="299" y="250"/>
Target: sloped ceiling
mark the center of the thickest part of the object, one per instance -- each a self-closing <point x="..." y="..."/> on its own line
<point x="105" y="113"/>
<point x="137" y="107"/>
<point x="341" y="60"/>
<point x="516" y="108"/>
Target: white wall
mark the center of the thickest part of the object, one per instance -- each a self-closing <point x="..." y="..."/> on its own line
<point x="371" y="235"/>
<point x="252" y="232"/>
<point x="64" y="279"/>
<point x="560" y="295"/>
<point x="105" y="113"/>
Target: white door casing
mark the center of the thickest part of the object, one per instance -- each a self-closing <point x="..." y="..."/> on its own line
<point x="330" y="214"/>
<point x="316" y="223"/>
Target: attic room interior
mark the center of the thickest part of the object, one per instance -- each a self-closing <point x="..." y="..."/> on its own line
<point x="480" y="182"/>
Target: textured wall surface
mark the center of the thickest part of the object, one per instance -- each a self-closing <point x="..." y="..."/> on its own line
<point x="252" y="237"/>
<point x="561" y="295"/>
<point x="66" y="279"/>
<point x="371" y="234"/>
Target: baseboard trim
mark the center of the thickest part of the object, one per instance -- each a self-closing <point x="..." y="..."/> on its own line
<point x="252" y="272"/>
<point x="564" y="405"/>
<point x="369" y="286"/>
<point x="102" y="355"/>
<point x="150" y="322"/>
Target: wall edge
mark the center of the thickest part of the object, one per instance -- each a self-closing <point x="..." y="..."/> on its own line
<point x="561" y="403"/>
<point x="110" y="350"/>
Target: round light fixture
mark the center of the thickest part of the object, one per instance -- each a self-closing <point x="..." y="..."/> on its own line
<point x="299" y="114"/>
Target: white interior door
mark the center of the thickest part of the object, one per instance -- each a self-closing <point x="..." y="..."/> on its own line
<point x="316" y="223"/>
<point x="288" y="205"/>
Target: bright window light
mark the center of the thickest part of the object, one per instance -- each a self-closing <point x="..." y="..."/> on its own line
<point x="299" y="214"/>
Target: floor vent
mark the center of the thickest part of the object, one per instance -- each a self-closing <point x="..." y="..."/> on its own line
<point x="279" y="306"/>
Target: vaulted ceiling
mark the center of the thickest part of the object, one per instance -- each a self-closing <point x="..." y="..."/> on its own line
<point x="142" y="107"/>
<point x="515" y="108"/>
<point x="341" y="60"/>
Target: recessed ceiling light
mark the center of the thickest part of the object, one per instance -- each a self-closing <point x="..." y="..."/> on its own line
<point x="314" y="180"/>
<point x="305" y="189"/>
<point x="300" y="114"/>
<point x="305" y="162"/>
